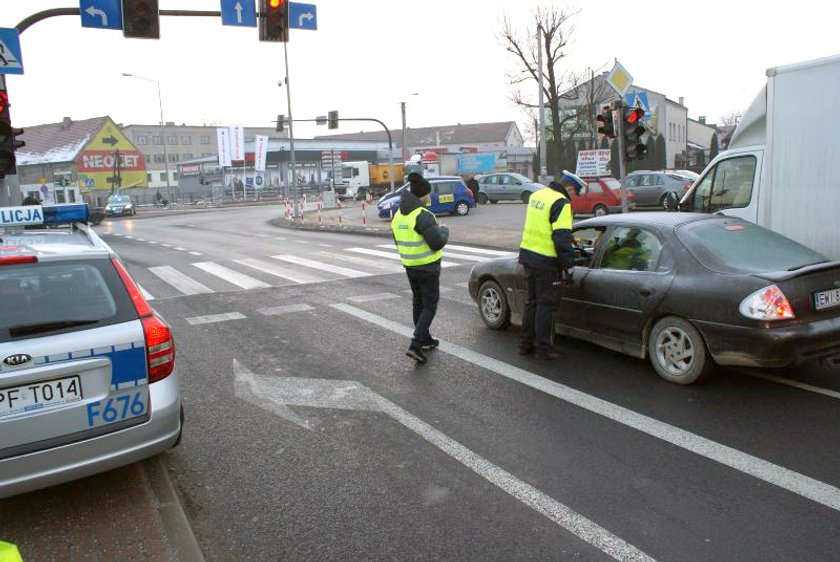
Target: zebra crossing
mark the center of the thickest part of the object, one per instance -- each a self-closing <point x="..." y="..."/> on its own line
<point x="244" y="274"/>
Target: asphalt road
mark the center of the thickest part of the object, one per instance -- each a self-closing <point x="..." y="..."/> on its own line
<point x="311" y="436"/>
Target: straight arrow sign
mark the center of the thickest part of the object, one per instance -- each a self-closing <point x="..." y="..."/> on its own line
<point x="278" y="394"/>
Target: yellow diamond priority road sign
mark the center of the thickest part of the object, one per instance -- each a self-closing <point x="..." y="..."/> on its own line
<point x="619" y="79"/>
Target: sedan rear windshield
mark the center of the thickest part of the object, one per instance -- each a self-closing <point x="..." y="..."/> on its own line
<point x="733" y="245"/>
<point x="47" y="298"/>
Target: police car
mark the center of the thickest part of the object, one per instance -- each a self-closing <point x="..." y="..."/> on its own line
<point x="449" y="195"/>
<point x="87" y="368"/>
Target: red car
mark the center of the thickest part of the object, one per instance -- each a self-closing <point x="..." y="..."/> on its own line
<point x="601" y="196"/>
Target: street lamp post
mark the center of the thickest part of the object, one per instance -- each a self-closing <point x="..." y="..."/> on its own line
<point x="404" y="147"/>
<point x="162" y="132"/>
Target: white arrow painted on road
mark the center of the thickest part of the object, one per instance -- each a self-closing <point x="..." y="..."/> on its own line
<point x="277" y="394"/>
<point x="93" y="12"/>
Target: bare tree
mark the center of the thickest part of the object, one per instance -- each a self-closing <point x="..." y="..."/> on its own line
<point x="730" y="119"/>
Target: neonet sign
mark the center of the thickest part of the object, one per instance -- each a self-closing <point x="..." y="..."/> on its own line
<point x="101" y="160"/>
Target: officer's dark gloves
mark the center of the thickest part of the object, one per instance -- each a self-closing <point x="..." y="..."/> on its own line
<point x="568" y="276"/>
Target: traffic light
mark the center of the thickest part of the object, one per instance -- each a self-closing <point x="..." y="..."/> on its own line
<point x="8" y="142"/>
<point x="274" y="20"/>
<point x="332" y="120"/>
<point x="635" y="133"/>
<point x="604" y="119"/>
<point x="281" y="119"/>
<point x="141" y="19"/>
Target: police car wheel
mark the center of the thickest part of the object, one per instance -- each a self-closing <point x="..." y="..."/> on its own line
<point x="462" y="208"/>
<point x="677" y="351"/>
<point x="493" y="306"/>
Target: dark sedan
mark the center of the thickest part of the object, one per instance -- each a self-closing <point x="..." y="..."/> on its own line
<point x="686" y="290"/>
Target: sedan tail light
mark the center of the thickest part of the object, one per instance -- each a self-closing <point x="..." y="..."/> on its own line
<point x="160" y="346"/>
<point x="769" y="303"/>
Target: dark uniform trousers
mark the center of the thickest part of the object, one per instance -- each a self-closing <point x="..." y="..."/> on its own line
<point x="425" y="291"/>
<point x="544" y="293"/>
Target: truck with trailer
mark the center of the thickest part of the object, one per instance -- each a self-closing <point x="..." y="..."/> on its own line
<point x="362" y="179"/>
<point x="779" y="168"/>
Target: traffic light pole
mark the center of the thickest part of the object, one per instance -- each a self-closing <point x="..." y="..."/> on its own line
<point x="291" y="134"/>
<point x="618" y="120"/>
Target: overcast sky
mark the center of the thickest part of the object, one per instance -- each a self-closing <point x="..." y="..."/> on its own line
<point x="367" y="56"/>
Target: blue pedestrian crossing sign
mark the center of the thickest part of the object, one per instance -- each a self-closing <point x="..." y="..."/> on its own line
<point x="240" y="13"/>
<point x="303" y="16"/>
<point x="101" y="14"/>
<point x="11" y="59"/>
<point x="638" y="99"/>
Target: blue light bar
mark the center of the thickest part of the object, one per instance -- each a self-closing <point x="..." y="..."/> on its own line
<point x="66" y="214"/>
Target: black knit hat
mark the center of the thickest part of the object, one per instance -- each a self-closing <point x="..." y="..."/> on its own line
<point x="420" y="187"/>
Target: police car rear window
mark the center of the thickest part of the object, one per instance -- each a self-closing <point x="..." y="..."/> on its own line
<point x="41" y="299"/>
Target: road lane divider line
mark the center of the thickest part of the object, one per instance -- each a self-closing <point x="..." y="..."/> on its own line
<point x="231" y="276"/>
<point x="279" y="394"/>
<point x="795" y="384"/>
<point x="376" y="297"/>
<point x="278" y="310"/>
<point x="805" y="486"/>
<point x="496" y="253"/>
<point x="214" y="318"/>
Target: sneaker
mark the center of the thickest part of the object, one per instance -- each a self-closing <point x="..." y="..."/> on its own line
<point x="547" y="355"/>
<point x="416" y="354"/>
<point x="431" y="344"/>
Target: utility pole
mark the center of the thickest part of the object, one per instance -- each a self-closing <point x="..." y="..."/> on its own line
<point x="291" y="134"/>
<point x="543" y="156"/>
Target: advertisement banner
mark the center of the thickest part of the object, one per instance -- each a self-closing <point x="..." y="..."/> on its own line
<point x="237" y="142"/>
<point x="593" y="163"/>
<point x="475" y="163"/>
<point x="260" y="151"/>
<point x="223" y="138"/>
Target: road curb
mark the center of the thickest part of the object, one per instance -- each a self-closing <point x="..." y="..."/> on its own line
<point x="178" y="534"/>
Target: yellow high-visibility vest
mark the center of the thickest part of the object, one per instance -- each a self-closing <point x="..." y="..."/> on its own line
<point x="536" y="235"/>
<point x="412" y="247"/>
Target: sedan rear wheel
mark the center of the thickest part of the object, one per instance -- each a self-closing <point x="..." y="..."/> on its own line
<point x="677" y="351"/>
<point x="493" y="306"/>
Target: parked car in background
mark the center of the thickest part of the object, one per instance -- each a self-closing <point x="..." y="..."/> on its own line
<point x="693" y="176"/>
<point x="685" y="290"/>
<point x="505" y="186"/>
<point x="120" y="205"/>
<point x="601" y="196"/>
<point x="88" y="380"/>
<point x="449" y="195"/>
<point x="651" y="188"/>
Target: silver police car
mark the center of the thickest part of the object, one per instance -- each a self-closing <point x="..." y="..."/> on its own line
<point x="87" y="368"/>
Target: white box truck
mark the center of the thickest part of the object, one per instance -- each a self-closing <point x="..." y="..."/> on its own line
<point x="782" y="166"/>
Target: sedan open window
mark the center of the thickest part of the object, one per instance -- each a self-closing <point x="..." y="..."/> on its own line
<point x="587" y="244"/>
<point x="632" y="249"/>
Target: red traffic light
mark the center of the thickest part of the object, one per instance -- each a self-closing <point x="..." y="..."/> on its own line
<point x="4" y="101"/>
<point x="635" y="115"/>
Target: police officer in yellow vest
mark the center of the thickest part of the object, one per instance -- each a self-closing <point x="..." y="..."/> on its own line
<point x="546" y="253"/>
<point x="419" y="241"/>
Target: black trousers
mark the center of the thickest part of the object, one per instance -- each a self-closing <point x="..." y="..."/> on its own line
<point x="425" y="290"/>
<point x="544" y="293"/>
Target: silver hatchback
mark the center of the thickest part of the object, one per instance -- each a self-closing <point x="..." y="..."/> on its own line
<point x="87" y="368"/>
<point x="650" y="189"/>
<point x="505" y="186"/>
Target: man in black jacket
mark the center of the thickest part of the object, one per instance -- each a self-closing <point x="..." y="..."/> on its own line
<point x="420" y="241"/>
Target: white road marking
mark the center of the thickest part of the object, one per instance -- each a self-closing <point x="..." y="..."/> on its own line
<point x="805" y="486"/>
<point x="140" y="239"/>
<point x="153" y="242"/>
<point x="480" y="251"/>
<point x="213" y="318"/>
<point x="279" y="271"/>
<point x="280" y="238"/>
<point x="393" y="255"/>
<point x="146" y="294"/>
<point x="277" y="310"/>
<point x="347" y="272"/>
<point x="115" y="233"/>
<point x="195" y="253"/>
<point x="231" y="276"/>
<point x="181" y="282"/>
<point x="326" y="245"/>
<point x="376" y="297"/>
<point x="180" y="249"/>
<point x="356" y="260"/>
<point x="168" y="245"/>
<point x="261" y="235"/>
<point x="278" y="394"/>
<point x="464" y="285"/>
<point x="129" y="236"/>
<point x="449" y="254"/>
<point x="795" y="384"/>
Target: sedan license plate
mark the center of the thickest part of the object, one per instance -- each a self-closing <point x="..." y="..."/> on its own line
<point x="827" y="299"/>
<point x="37" y="395"/>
